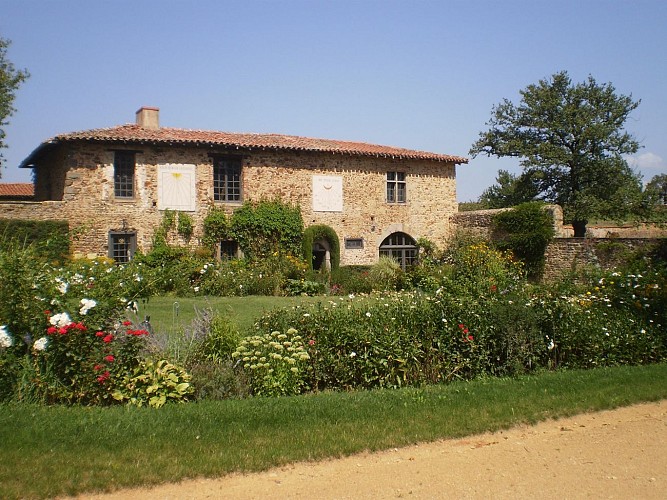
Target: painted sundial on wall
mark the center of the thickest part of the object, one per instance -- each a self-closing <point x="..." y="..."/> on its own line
<point x="327" y="193"/>
<point x="176" y="187"/>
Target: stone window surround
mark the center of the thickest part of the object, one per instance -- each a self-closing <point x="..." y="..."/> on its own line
<point x="397" y="192"/>
<point x="226" y="190"/>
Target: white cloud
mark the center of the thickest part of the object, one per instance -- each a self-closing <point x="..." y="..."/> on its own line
<point x="647" y="161"/>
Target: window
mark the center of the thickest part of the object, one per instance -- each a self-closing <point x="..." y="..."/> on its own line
<point x="401" y="247"/>
<point x="227" y="179"/>
<point x="229" y="250"/>
<point x="396" y="192"/>
<point x="122" y="246"/>
<point x="354" y="243"/>
<point x="123" y="174"/>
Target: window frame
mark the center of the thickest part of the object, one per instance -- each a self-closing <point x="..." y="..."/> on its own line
<point x="354" y="243"/>
<point x="228" y="250"/>
<point x="129" y="249"/>
<point x="397" y="189"/>
<point x="226" y="190"/>
<point x="124" y="174"/>
<point x="401" y="247"/>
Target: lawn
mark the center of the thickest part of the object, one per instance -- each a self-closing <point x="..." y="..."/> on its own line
<point x="51" y="451"/>
<point x="171" y="314"/>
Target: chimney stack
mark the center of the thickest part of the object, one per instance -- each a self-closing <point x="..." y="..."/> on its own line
<point x="148" y="117"/>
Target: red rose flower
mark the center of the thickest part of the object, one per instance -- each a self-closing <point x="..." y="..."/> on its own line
<point x="108" y="338"/>
<point x="99" y="334"/>
<point x="127" y="323"/>
<point x="51" y="330"/>
<point x="109" y="358"/>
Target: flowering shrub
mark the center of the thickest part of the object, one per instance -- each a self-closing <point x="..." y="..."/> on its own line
<point x="274" y="362"/>
<point x="75" y="364"/>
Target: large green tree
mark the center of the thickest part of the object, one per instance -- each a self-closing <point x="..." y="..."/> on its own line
<point x="571" y="142"/>
<point x="10" y="80"/>
<point x="510" y="190"/>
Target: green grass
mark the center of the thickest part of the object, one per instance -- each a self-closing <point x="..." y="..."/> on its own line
<point x="171" y="314"/>
<point x="51" y="451"/>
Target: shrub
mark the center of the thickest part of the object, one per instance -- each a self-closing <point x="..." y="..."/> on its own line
<point x="267" y="228"/>
<point x="350" y="279"/>
<point x="274" y="363"/>
<point x="386" y="274"/>
<point x="49" y="239"/>
<point x="526" y="231"/>
<point x="154" y="383"/>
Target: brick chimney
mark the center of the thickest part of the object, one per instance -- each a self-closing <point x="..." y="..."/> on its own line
<point x="148" y="117"/>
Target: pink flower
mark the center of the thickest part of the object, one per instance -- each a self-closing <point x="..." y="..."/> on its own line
<point x="311" y="342"/>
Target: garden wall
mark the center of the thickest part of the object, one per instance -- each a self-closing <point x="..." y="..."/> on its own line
<point x="605" y="246"/>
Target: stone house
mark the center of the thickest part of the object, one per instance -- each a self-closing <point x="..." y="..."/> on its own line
<point x="114" y="185"/>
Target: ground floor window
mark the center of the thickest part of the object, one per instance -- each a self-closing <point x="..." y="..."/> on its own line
<point x="401" y="247"/>
<point x="122" y="246"/>
<point x="229" y="249"/>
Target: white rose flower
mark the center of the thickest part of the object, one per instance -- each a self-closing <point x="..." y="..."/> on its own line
<point x="40" y="344"/>
<point x="5" y="339"/>
<point x="60" y="320"/>
<point x="86" y="305"/>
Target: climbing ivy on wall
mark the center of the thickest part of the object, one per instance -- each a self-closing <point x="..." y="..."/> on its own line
<point x="321" y="232"/>
<point x="267" y="227"/>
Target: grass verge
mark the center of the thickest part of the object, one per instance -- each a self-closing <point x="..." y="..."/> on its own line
<point x="51" y="451"/>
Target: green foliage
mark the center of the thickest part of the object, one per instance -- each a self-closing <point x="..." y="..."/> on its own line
<point x="386" y="274"/>
<point x="303" y="287"/>
<point x="526" y="231"/>
<point x="267" y="227"/>
<point x="49" y="238"/>
<point x="319" y="232"/>
<point x="217" y="227"/>
<point x="510" y="190"/>
<point x="571" y="142"/>
<point x="274" y="362"/>
<point x="222" y="338"/>
<point x="10" y="80"/>
<point x="154" y="383"/>
<point x="350" y="279"/>
<point x="185" y="225"/>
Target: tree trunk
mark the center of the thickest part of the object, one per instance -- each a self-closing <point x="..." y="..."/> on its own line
<point x="579" y="228"/>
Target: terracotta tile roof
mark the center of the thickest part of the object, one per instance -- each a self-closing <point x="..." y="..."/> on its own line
<point x="164" y="135"/>
<point x="21" y="190"/>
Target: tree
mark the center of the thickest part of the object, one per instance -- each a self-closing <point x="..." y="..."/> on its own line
<point x="657" y="189"/>
<point x="570" y="139"/>
<point x="510" y="190"/>
<point x="10" y="80"/>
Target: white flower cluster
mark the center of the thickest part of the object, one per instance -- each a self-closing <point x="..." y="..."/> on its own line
<point x="257" y="351"/>
<point x="40" y="344"/>
<point x="86" y="305"/>
<point x="6" y="339"/>
<point x="60" y="320"/>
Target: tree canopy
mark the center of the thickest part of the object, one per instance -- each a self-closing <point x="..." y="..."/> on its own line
<point x="510" y="190"/>
<point x="571" y="143"/>
<point x="10" y="80"/>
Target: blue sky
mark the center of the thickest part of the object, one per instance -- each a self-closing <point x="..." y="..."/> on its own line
<point x="418" y="74"/>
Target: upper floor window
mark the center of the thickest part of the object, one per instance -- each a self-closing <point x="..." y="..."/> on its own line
<point x="227" y="179"/>
<point x="396" y="190"/>
<point x="123" y="174"/>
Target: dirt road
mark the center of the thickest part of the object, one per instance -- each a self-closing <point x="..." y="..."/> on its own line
<point x="613" y="454"/>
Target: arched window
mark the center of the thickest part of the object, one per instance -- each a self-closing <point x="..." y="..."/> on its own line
<point x="401" y="247"/>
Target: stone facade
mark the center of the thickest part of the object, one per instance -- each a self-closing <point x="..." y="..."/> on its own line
<point x="74" y="181"/>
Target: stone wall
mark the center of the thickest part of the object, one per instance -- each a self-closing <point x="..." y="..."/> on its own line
<point x="76" y="184"/>
<point x="567" y="255"/>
